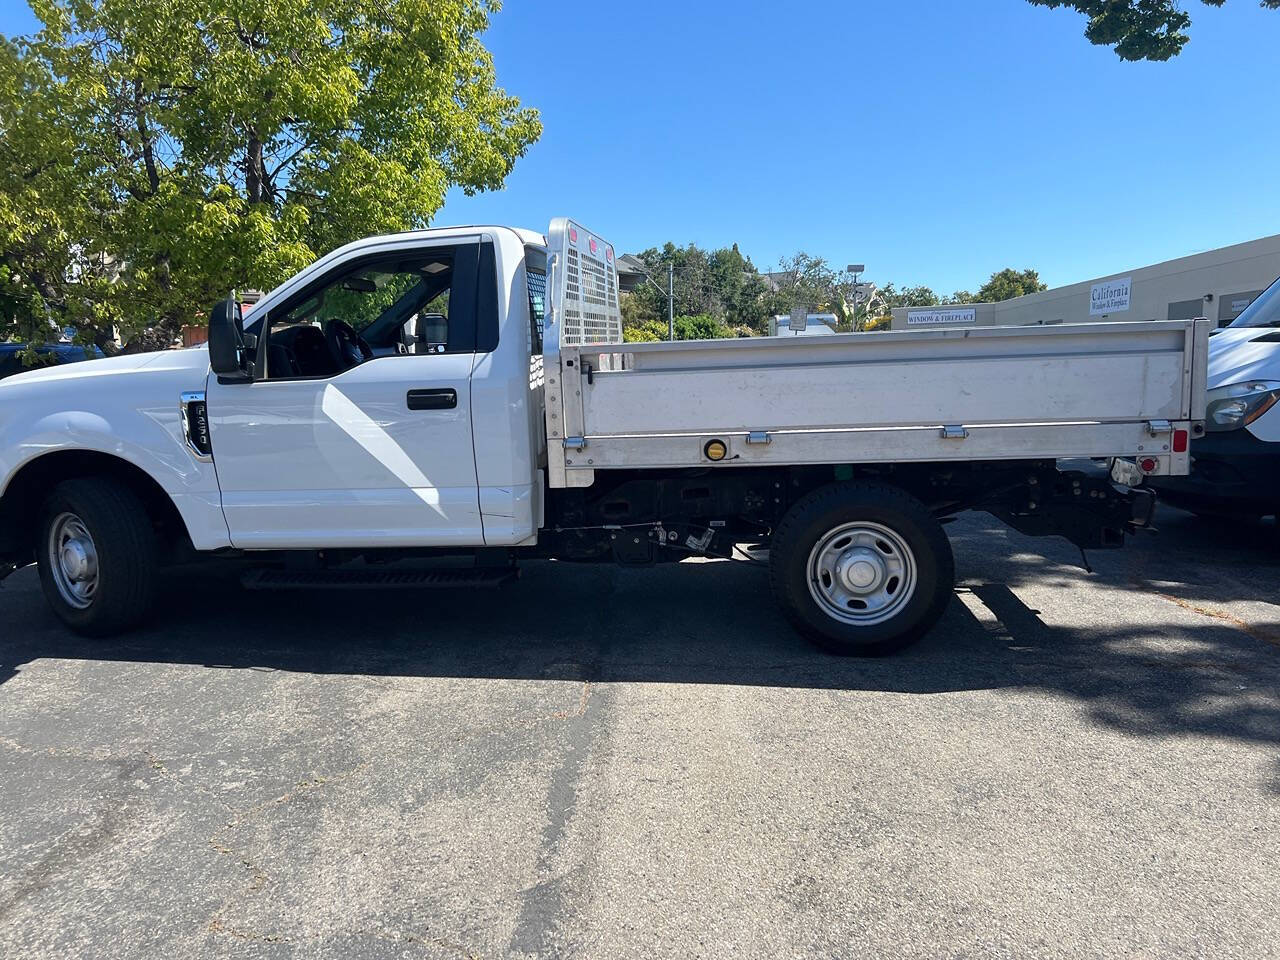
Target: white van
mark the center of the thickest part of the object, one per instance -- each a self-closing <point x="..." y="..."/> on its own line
<point x="1235" y="468"/>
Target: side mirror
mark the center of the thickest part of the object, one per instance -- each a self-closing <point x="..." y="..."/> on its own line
<point x="228" y="353"/>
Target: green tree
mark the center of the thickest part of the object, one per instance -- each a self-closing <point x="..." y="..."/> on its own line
<point x="643" y="330"/>
<point x="1009" y="283"/>
<point x="803" y="280"/>
<point x="155" y="153"/>
<point x="741" y="289"/>
<point x="702" y="326"/>
<point x="637" y="312"/>
<point x="1138" y="29"/>
<point x="908" y="296"/>
<point x="888" y="297"/>
<point x="810" y="281"/>
<point x="721" y="283"/>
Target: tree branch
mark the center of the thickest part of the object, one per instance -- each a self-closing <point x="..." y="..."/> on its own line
<point x="148" y="155"/>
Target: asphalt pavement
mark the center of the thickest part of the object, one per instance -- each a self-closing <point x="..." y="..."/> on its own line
<point x="595" y="762"/>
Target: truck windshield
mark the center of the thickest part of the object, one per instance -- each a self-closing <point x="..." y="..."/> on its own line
<point x="1263" y="312"/>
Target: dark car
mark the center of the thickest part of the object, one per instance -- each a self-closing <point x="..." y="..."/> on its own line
<point x="50" y="353"/>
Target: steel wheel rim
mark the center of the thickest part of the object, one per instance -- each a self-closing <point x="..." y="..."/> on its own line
<point x="862" y="573"/>
<point x="73" y="560"/>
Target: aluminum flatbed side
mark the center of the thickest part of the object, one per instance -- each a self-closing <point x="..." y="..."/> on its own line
<point x="1131" y="390"/>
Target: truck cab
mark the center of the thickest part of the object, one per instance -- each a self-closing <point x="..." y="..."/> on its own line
<point x="387" y="399"/>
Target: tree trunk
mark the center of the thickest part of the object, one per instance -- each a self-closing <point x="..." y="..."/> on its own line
<point x="144" y="134"/>
<point x="254" y="173"/>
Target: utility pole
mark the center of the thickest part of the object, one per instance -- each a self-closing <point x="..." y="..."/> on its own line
<point x="671" y="300"/>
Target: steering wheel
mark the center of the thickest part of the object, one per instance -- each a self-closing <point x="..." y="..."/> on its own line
<point x="347" y="347"/>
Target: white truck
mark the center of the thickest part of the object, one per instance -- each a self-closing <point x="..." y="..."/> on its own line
<point x="424" y="409"/>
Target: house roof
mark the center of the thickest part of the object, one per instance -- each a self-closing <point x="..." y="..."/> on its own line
<point x="630" y="263"/>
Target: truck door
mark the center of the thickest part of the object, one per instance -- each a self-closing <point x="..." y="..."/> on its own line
<point x="356" y="430"/>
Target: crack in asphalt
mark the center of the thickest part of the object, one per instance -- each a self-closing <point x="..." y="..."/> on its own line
<point x="1265" y="634"/>
<point x="158" y="765"/>
<point x="1138" y="578"/>
<point x="105" y="754"/>
<point x="258" y="875"/>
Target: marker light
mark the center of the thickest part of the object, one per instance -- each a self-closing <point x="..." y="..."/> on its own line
<point x="715" y="450"/>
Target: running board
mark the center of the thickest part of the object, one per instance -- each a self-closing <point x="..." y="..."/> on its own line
<point x="364" y="578"/>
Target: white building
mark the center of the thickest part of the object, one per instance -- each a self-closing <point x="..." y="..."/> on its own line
<point x="1217" y="284"/>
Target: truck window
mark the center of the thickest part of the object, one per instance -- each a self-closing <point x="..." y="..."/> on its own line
<point x="535" y="278"/>
<point x="537" y="283"/>
<point x="405" y="303"/>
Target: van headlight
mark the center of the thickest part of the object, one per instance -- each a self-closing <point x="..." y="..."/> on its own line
<point x="1238" y="404"/>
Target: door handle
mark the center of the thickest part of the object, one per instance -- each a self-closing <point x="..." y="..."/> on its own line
<point x="444" y="399"/>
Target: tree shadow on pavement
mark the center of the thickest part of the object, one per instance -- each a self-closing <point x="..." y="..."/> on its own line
<point x="1155" y="671"/>
<point x="1215" y="561"/>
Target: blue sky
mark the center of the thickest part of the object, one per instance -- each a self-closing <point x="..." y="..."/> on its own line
<point x="933" y="140"/>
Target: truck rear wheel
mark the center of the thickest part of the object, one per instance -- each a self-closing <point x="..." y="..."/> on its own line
<point x="97" y="556"/>
<point x="861" y="569"/>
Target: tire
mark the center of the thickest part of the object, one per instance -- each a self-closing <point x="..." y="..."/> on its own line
<point x="861" y="569"/>
<point x="97" y="556"/>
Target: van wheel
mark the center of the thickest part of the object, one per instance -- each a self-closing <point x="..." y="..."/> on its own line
<point x="97" y="556"/>
<point x="861" y="569"/>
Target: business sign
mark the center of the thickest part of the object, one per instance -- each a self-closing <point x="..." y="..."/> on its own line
<point x="942" y="315"/>
<point x="1109" y="296"/>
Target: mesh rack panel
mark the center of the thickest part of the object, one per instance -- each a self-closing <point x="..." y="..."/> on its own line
<point x="591" y="312"/>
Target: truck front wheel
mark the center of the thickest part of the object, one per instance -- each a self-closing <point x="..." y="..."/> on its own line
<point x="97" y="556"/>
<point x="861" y="568"/>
